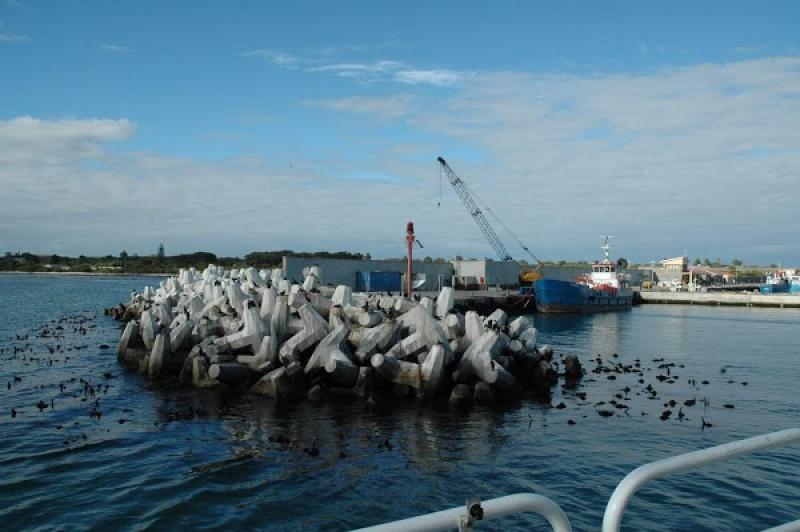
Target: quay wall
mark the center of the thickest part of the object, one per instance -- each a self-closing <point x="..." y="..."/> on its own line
<point x="721" y="298"/>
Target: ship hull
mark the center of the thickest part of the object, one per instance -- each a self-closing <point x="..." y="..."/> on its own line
<point x="777" y="288"/>
<point x="554" y="296"/>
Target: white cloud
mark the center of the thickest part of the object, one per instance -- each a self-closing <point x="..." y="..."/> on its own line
<point x="63" y="193"/>
<point x="749" y="49"/>
<point x="438" y="78"/>
<point x="116" y="48"/>
<point x="52" y="141"/>
<point x="367" y="72"/>
<point x="353" y="69"/>
<point x="13" y="38"/>
<point x="701" y="157"/>
<point x="275" y="57"/>
<point x="383" y="107"/>
<point x="664" y="159"/>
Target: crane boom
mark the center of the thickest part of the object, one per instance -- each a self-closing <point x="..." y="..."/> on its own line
<point x="461" y="189"/>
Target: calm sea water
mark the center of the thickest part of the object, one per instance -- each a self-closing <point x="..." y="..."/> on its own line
<point x="161" y="456"/>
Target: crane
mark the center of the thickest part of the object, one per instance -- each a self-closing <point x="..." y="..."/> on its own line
<point x="461" y="189"/>
<point x="469" y="202"/>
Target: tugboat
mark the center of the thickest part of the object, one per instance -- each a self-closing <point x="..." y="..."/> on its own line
<point x="605" y="288"/>
<point x="777" y="283"/>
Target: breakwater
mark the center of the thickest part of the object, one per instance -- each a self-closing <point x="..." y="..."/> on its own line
<point x="294" y="341"/>
<point x="720" y="299"/>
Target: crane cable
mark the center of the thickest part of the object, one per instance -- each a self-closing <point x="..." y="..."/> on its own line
<point x="507" y="228"/>
<point x="491" y="212"/>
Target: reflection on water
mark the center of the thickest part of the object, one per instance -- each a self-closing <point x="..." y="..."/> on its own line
<point x="571" y="332"/>
<point x="163" y="456"/>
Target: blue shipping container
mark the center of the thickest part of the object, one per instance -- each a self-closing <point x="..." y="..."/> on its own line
<point x="378" y="281"/>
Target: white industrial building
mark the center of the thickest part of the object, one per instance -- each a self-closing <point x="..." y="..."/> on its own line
<point x="464" y="274"/>
<point x="486" y="273"/>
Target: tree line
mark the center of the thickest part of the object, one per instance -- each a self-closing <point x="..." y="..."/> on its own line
<point x="158" y="263"/>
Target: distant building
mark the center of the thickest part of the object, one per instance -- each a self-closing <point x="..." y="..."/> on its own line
<point x="680" y="264"/>
<point x="485" y="273"/>
<point x="352" y="272"/>
<point x="428" y="276"/>
<point x="58" y="267"/>
<point x="703" y="276"/>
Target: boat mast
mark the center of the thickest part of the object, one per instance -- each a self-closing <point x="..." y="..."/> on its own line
<point x="606" y="247"/>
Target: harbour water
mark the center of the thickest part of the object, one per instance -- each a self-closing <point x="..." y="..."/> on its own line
<point x="161" y="456"/>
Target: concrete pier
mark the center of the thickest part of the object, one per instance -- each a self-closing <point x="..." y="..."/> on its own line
<point x="720" y="299"/>
<point x="487" y="301"/>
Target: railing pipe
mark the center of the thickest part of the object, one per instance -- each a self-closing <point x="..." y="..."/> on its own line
<point x="678" y="464"/>
<point x="492" y="509"/>
<point x="794" y="526"/>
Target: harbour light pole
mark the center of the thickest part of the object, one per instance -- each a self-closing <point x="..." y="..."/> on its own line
<point x="410" y="247"/>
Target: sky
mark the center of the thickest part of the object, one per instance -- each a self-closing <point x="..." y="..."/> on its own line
<point x="238" y="126"/>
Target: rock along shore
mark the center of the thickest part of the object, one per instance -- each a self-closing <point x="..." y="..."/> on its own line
<point x="292" y="341"/>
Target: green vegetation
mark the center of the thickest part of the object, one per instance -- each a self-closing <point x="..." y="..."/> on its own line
<point x="28" y="262"/>
<point x="270" y="259"/>
<point x="159" y="263"/>
<point x="573" y="264"/>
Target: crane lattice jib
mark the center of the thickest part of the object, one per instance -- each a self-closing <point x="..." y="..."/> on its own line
<point x="475" y="212"/>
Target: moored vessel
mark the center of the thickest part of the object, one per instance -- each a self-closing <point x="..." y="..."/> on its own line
<point x="779" y="282"/>
<point x="605" y="288"/>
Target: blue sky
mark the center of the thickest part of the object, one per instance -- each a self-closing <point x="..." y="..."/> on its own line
<point x="238" y="126"/>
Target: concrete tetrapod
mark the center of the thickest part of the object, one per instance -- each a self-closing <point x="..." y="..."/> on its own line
<point x="148" y="329"/>
<point x="314" y="329"/>
<point x="231" y="373"/>
<point x="454" y="326"/>
<point x="473" y="327"/>
<point x="445" y="301"/>
<point x="476" y="356"/>
<point x="397" y="371"/>
<point x="279" y="323"/>
<point x="497" y="318"/>
<point x="159" y="354"/>
<point x="333" y="342"/>
<point x="281" y="383"/>
<point x="252" y="320"/>
<point x="267" y="352"/>
<point x="236" y="297"/>
<point x="268" y="297"/>
<point x="180" y="336"/>
<point x="432" y="370"/>
<point x="518" y="325"/>
<point x="126" y="341"/>
<point x="374" y="340"/>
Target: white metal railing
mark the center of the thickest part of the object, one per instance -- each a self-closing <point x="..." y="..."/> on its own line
<point x="794" y="526"/>
<point x="678" y="464"/>
<point x="462" y="517"/>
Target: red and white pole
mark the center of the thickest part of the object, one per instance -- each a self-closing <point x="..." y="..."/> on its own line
<point x="410" y="245"/>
